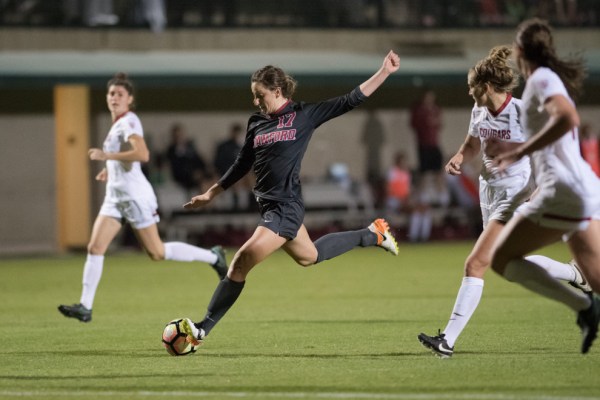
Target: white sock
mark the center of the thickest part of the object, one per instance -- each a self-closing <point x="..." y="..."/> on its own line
<point x="536" y="279"/>
<point x="92" y="272"/>
<point x="557" y="270"/>
<point x="414" y="226"/>
<point x="467" y="301"/>
<point x="426" y="226"/>
<point x="179" y="251"/>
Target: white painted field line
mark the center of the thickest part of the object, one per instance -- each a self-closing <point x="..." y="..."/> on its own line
<point x="297" y="395"/>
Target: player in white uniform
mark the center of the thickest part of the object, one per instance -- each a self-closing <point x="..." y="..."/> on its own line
<point x="129" y="196"/>
<point x="494" y="128"/>
<point x="568" y="191"/>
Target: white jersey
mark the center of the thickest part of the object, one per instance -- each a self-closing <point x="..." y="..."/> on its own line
<point x="504" y="126"/>
<point x="569" y="189"/>
<point x="126" y="181"/>
<point x="501" y="193"/>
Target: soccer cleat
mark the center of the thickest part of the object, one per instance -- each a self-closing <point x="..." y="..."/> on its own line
<point x="437" y="344"/>
<point x="588" y="320"/>
<point x="194" y="335"/>
<point x="221" y="264"/>
<point x="76" y="311"/>
<point x="384" y="237"/>
<point x="580" y="282"/>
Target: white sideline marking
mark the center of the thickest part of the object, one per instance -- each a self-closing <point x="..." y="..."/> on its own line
<point x="300" y="395"/>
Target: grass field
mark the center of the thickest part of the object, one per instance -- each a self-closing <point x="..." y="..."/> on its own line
<point x="345" y="329"/>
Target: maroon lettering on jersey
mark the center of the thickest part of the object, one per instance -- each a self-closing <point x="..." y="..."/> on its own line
<point x="286" y="121"/>
<point x="490" y="133"/>
<point x="273" y="137"/>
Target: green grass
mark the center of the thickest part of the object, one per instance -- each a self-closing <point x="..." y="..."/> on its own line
<point x="343" y="329"/>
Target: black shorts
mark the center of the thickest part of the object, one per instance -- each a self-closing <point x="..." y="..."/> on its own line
<point x="430" y="159"/>
<point x="283" y="218"/>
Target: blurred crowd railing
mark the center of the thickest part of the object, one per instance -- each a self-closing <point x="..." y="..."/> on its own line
<point x="367" y="14"/>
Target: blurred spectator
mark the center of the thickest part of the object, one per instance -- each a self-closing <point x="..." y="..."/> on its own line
<point x="516" y="11"/>
<point x="349" y="13"/>
<point x="590" y="147"/>
<point x="202" y="12"/>
<point x="427" y="12"/>
<point x="426" y="121"/>
<point x="154" y="169"/>
<point x="398" y="185"/>
<point x="464" y="192"/>
<point x="432" y="192"/>
<point x="373" y="138"/>
<point x="339" y="173"/>
<point x="566" y="12"/>
<point x="321" y="13"/>
<point x="489" y="13"/>
<point x="225" y="154"/>
<point x="89" y="12"/>
<point x="188" y="168"/>
<point x="152" y="13"/>
<point x="227" y="150"/>
<point x="415" y="196"/>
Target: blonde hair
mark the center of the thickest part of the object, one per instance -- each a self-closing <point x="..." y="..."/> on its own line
<point x="495" y="70"/>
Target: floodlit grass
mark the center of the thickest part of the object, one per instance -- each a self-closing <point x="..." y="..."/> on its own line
<point x="344" y="329"/>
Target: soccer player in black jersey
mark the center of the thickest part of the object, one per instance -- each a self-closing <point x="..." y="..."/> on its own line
<point x="276" y="140"/>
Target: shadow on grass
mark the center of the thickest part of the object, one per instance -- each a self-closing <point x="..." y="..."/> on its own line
<point x="212" y="353"/>
<point x="162" y="354"/>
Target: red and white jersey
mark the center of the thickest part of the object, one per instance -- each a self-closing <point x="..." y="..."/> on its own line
<point x="559" y="167"/>
<point x="504" y="126"/>
<point x="126" y="181"/>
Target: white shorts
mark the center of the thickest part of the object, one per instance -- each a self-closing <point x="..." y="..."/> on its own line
<point x="500" y="197"/>
<point x="139" y="213"/>
<point x="558" y="207"/>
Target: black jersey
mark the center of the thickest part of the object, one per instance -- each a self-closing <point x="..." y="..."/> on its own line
<point x="275" y="144"/>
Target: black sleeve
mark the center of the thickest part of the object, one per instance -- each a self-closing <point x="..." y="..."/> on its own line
<point x="328" y="109"/>
<point x="242" y="164"/>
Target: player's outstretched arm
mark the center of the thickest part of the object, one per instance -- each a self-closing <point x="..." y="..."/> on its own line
<point x="391" y="64"/>
<point x="203" y="199"/>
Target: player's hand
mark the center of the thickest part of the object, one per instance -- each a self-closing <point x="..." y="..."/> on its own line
<point x="97" y="154"/>
<point x="453" y="166"/>
<point x="504" y="160"/>
<point x="197" y="202"/>
<point x="391" y="62"/>
<point x="102" y="175"/>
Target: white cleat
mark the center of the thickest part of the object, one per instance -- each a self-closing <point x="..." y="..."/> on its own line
<point x="385" y="239"/>
<point x="194" y="335"/>
<point x="580" y="282"/>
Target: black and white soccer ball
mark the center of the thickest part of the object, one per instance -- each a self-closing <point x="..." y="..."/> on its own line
<point x="174" y="339"/>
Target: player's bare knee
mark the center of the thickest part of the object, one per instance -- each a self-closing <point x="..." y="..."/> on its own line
<point x="476" y="267"/>
<point x="95" y="250"/>
<point x="242" y="262"/>
<point x="238" y="271"/>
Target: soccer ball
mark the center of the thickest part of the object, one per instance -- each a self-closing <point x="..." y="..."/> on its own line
<point x="173" y="339"/>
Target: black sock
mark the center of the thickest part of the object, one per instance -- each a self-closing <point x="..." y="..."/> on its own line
<point x="335" y="244"/>
<point x="223" y="298"/>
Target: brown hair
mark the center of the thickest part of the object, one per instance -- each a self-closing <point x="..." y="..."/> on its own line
<point x="495" y="70"/>
<point x="534" y="38"/>
<point x="273" y="77"/>
<point x="121" y="79"/>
